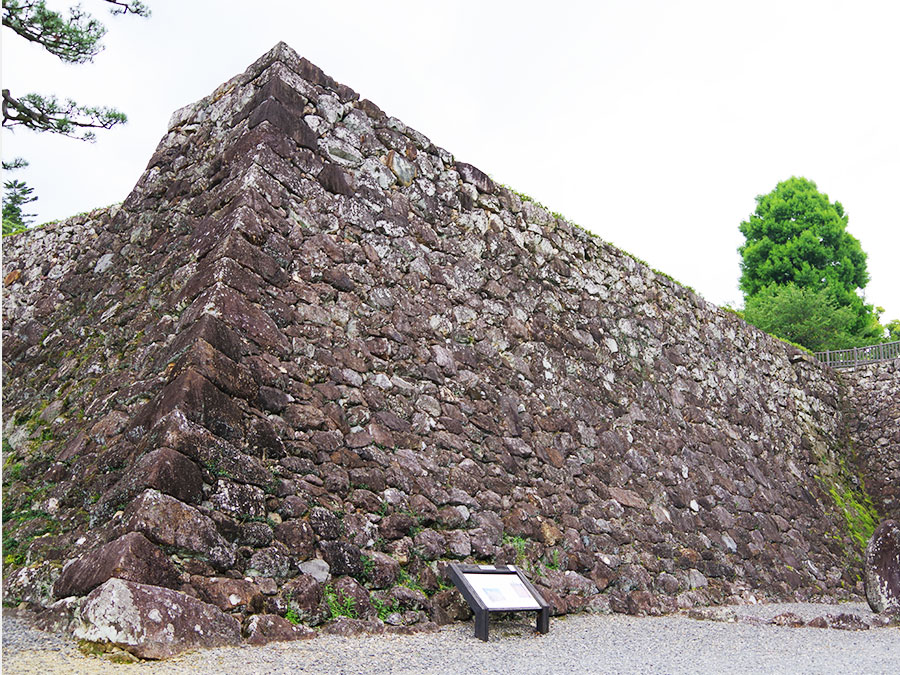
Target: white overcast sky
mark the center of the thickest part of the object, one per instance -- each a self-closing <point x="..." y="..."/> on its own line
<point x="653" y="124"/>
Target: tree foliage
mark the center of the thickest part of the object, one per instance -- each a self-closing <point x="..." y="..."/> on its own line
<point x="892" y="328"/>
<point x="47" y="113"/>
<point x="797" y="237"/>
<point x="75" y="38"/>
<point x="803" y="315"/>
<point x="16" y="194"/>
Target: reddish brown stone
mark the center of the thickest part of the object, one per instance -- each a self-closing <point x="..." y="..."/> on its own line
<point x="245" y="318"/>
<point x="298" y="536"/>
<point x="788" y="619"/>
<point x="176" y="431"/>
<point x="199" y="400"/>
<point x="818" y="622"/>
<point x="349" y="627"/>
<point x="211" y="330"/>
<point x="169" y="522"/>
<point x="228" y="594"/>
<point x="239" y="500"/>
<point x="219" y="369"/>
<point x="408" y="598"/>
<point x="395" y="526"/>
<point x="131" y="557"/>
<point x="289" y="122"/>
<point x="262" y="629"/>
<point x="350" y="592"/>
<point x="847" y="621"/>
<point x="385" y="570"/>
<point x="448" y="606"/>
<point x="303" y="594"/>
<point x="636" y="603"/>
<point x="475" y="176"/>
<point x="325" y="524"/>
<point x="430" y="544"/>
<point x="301" y="416"/>
<point x="627" y="498"/>
<point x="12" y="277"/>
<point x="168" y="471"/>
<point x="334" y="179"/>
<point x="342" y="558"/>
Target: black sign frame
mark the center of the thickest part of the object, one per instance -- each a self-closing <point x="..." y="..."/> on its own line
<point x="457" y="574"/>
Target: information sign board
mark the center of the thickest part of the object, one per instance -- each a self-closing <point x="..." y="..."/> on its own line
<point x="501" y="592"/>
<point x="498" y="589"/>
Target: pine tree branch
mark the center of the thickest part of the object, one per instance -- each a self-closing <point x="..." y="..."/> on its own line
<point x="41" y="113"/>
<point x="75" y="39"/>
<point x="132" y="7"/>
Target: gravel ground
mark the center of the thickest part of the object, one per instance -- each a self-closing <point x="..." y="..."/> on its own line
<point x="577" y="644"/>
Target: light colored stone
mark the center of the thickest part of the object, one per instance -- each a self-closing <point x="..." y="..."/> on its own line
<point x="152" y="622"/>
<point x="317" y="568"/>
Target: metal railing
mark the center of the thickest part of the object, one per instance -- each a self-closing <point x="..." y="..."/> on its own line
<point x="857" y="356"/>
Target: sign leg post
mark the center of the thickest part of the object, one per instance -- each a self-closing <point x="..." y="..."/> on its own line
<point x="481" y="625"/>
<point x="543" y="620"/>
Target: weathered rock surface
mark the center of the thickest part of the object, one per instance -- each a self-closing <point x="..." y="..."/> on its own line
<point x="347" y="627"/>
<point x="153" y="622"/>
<point x="312" y="347"/>
<point x="32" y="584"/>
<point x="228" y="594"/>
<point x="873" y="395"/>
<point x="130" y="557"/>
<point x="169" y="522"/>
<point x="165" y="470"/>
<point x="261" y="629"/>
<point x="883" y="568"/>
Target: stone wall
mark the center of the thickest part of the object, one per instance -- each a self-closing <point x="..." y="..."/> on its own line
<point x="872" y="404"/>
<point x="332" y="352"/>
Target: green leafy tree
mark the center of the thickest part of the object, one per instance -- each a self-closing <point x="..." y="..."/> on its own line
<point x="16" y="194"/>
<point x="75" y="38"/>
<point x="802" y="315"/>
<point x="797" y="236"/>
<point x="893" y="330"/>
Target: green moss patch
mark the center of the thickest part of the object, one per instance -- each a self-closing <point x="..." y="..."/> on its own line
<point x="859" y="513"/>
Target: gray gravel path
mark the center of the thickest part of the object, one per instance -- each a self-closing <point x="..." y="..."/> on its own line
<point x="577" y="644"/>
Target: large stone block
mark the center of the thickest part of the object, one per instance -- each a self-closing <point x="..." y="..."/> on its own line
<point x="153" y="622"/>
<point x="209" y="329"/>
<point x="476" y="177"/>
<point x="169" y="522"/>
<point x="218" y="368"/>
<point x="131" y="557"/>
<point x="298" y="536"/>
<point x="883" y="568"/>
<point x="199" y="400"/>
<point x="304" y="595"/>
<point x="165" y="470"/>
<point x="245" y="318"/>
<point x="228" y="594"/>
<point x="176" y="431"/>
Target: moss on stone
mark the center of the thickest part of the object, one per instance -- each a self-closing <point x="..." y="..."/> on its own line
<point x="859" y="512"/>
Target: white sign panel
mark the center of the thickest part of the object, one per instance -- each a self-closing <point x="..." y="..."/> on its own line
<point x="502" y="591"/>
